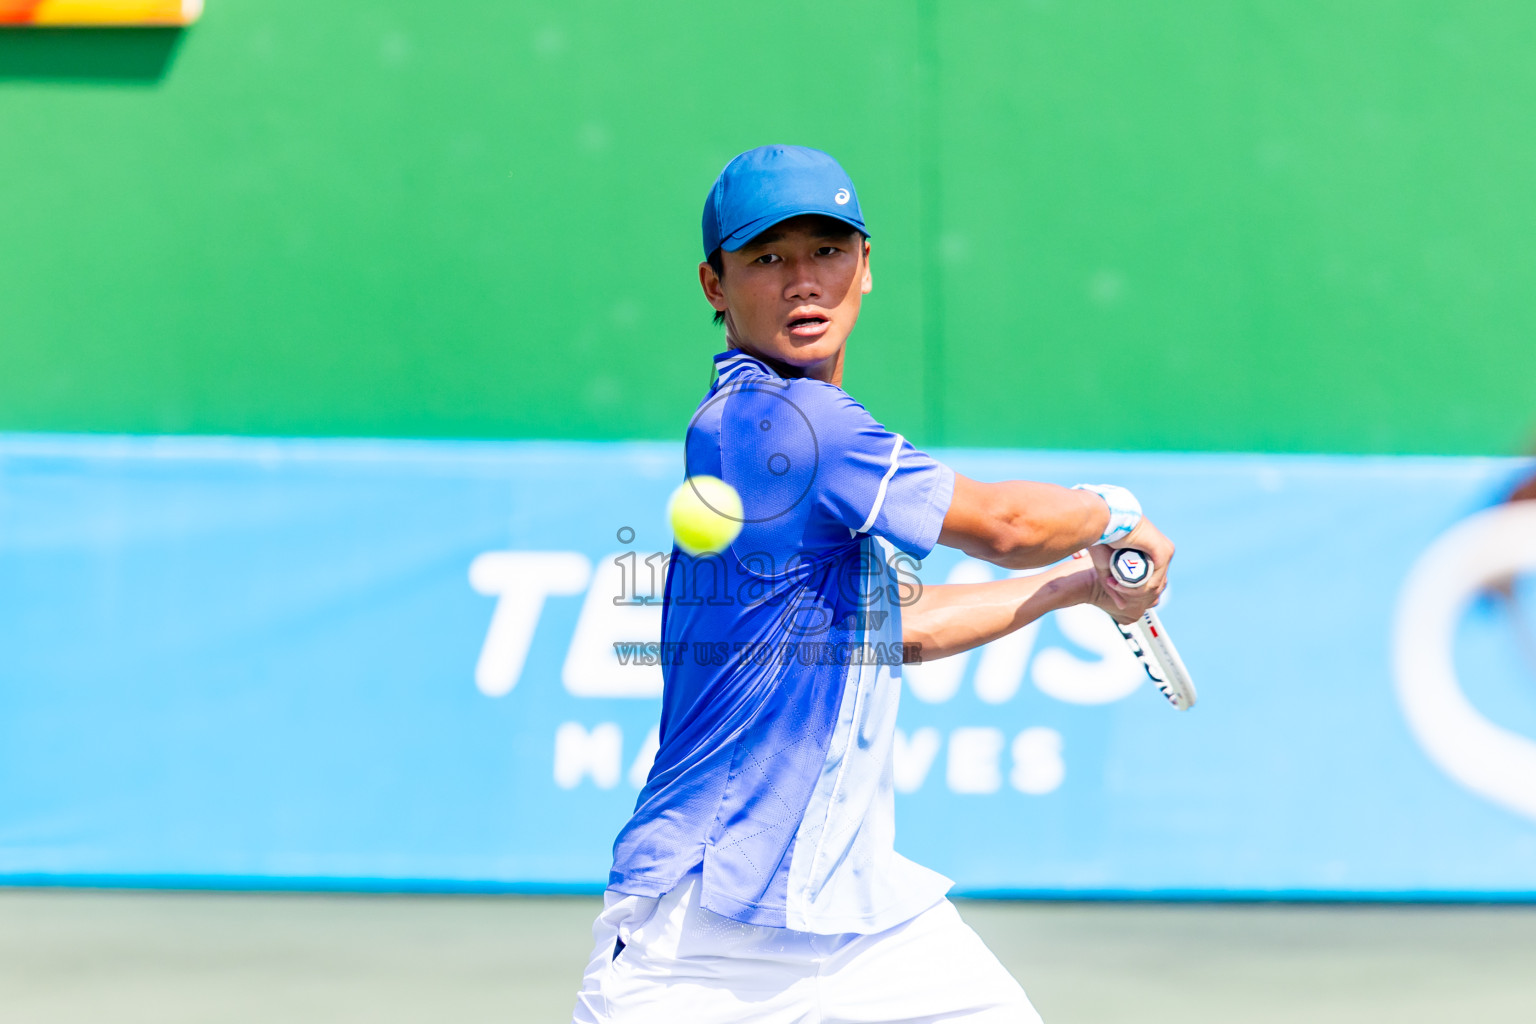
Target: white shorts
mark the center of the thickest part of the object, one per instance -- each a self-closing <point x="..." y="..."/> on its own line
<point x="678" y="963"/>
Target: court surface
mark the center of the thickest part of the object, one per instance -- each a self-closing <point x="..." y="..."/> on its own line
<point x="103" y="957"/>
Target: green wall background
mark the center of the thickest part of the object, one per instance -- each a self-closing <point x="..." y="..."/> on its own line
<point x="1299" y="226"/>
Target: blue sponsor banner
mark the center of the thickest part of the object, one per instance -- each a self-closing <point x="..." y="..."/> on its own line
<point x="388" y="664"/>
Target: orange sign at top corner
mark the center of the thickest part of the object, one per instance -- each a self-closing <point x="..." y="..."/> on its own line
<point x="64" y="13"/>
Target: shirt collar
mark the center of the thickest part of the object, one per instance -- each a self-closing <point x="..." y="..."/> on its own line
<point x="734" y="363"/>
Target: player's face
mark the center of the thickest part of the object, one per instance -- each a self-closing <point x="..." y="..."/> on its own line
<point x="793" y="292"/>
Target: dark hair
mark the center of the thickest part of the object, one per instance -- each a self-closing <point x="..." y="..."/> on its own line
<point x="718" y="265"/>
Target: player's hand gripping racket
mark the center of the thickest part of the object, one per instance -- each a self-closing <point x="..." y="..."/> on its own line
<point x="1147" y="638"/>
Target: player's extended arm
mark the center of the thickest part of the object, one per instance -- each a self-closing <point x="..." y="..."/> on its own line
<point x="955" y="617"/>
<point x="1018" y="524"/>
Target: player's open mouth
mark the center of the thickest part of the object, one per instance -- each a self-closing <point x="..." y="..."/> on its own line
<point x="809" y="326"/>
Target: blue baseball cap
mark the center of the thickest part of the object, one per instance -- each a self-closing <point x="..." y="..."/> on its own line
<point x="772" y="183"/>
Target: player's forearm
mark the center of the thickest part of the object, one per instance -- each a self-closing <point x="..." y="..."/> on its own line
<point x="1020" y="524"/>
<point x="951" y="618"/>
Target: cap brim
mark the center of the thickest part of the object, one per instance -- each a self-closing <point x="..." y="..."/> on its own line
<point x="744" y="234"/>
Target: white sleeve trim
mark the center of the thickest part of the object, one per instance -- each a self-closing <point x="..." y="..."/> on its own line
<point x="885" y="482"/>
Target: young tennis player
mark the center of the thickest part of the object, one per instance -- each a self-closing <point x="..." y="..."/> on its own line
<point x="757" y="879"/>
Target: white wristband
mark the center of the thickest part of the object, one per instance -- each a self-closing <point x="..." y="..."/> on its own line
<point x="1124" y="510"/>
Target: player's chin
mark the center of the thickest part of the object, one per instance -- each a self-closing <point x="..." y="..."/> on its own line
<point x="806" y="350"/>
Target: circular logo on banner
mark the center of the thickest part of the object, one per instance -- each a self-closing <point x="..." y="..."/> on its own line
<point x="1482" y="552"/>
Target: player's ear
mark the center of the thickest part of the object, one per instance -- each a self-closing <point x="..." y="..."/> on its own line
<point x="713" y="291"/>
<point x="868" y="284"/>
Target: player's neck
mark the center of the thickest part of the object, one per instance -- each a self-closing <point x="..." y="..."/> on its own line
<point x="829" y="370"/>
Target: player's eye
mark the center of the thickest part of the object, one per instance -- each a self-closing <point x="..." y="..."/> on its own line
<point x="828" y="250"/>
<point x="766" y="258"/>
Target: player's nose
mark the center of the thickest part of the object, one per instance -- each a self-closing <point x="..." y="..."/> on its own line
<point x="803" y="291"/>
<point x="803" y="286"/>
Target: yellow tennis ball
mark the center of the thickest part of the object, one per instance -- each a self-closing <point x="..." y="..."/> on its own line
<point x="705" y="513"/>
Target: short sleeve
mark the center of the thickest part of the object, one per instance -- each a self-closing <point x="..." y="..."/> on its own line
<point x="870" y="479"/>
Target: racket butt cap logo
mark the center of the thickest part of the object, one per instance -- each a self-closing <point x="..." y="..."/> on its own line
<point x="1130" y="567"/>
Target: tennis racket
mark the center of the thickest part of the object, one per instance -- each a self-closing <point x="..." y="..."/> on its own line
<point x="1147" y="638"/>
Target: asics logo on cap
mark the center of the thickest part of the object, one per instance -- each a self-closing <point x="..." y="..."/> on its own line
<point x="841" y="199"/>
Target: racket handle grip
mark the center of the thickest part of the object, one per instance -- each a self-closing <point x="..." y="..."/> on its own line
<point x="1130" y="568"/>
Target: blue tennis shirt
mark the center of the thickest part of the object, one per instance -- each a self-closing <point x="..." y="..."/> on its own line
<point x="784" y="666"/>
